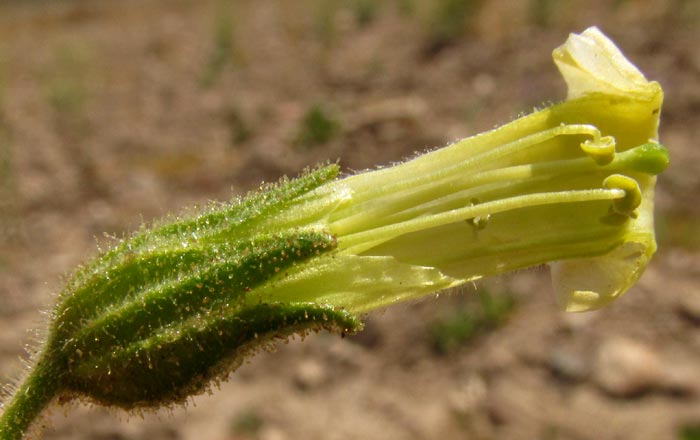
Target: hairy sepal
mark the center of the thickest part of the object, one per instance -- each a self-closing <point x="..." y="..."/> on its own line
<point x="164" y="313"/>
<point x="174" y="363"/>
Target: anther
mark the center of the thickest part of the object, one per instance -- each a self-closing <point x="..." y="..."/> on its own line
<point x="601" y="150"/>
<point x="633" y="194"/>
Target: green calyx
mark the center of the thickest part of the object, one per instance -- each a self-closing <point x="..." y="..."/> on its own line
<point x="158" y="317"/>
<point x="177" y="361"/>
<point x="165" y="312"/>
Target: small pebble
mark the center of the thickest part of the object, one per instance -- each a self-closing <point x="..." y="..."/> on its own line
<point x="626" y="368"/>
<point x="689" y="306"/>
<point x="567" y="364"/>
<point x="310" y="374"/>
<point x="468" y="397"/>
<point x="271" y="433"/>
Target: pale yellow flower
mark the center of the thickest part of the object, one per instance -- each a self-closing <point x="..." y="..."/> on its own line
<point x="571" y="185"/>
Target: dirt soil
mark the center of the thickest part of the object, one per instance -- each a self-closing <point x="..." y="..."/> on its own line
<point x="116" y="113"/>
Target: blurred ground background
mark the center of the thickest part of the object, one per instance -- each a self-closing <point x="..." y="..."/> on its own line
<point x="114" y="113"/>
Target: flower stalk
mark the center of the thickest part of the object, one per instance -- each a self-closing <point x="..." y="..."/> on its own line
<point x="173" y="308"/>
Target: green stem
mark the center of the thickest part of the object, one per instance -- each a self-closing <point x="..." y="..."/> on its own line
<point x="28" y="401"/>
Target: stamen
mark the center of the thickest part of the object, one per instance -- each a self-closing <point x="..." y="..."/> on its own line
<point x="362" y="241"/>
<point x="380" y="202"/>
<point x="477" y="161"/>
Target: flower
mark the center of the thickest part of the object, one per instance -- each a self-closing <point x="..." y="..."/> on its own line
<point x="180" y="305"/>
<point x="570" y="185"/>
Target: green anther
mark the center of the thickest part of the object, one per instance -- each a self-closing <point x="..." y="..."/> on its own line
<point x="602" y="150"/>
<point x="633" y="194"/>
